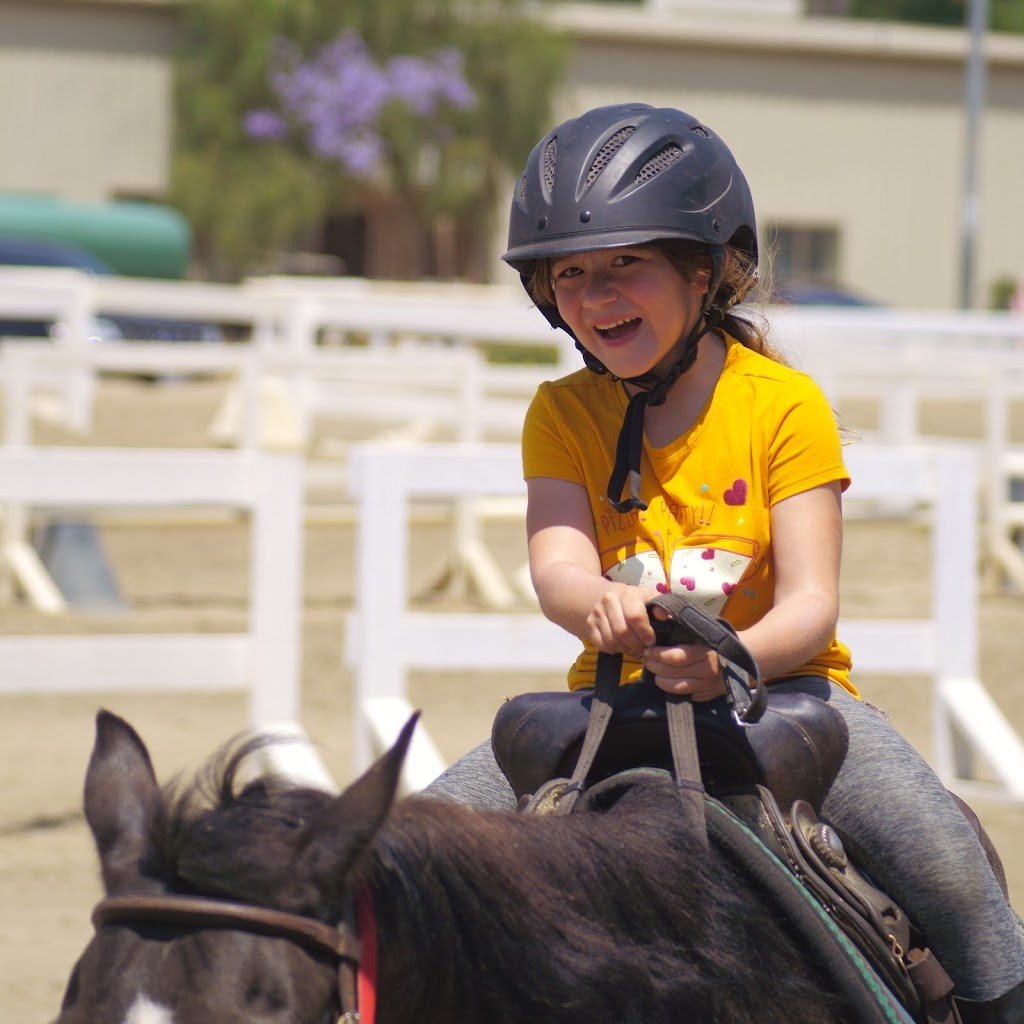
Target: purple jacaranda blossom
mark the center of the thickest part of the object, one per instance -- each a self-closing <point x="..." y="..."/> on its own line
<point x="265" y="124"/>
<point x="425" y="84"/>
<point x="336" y="98"/>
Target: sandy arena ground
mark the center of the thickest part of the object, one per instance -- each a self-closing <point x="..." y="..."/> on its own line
<point x="180" y="578"/>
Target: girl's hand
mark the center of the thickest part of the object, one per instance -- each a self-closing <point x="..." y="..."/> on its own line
<point x="689" y="668"/>
<point x="619" y="623"/>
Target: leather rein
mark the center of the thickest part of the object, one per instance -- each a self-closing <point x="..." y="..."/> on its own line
<point x="352" y="943"/>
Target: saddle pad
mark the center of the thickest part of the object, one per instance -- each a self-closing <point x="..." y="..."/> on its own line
<point x="781" y="892"/>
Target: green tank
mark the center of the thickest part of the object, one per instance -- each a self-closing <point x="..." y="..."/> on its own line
<point x="136" y="239"/>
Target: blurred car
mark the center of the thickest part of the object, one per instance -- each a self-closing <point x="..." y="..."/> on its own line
<point x="818" y="293"/>
<point x="36" y="252"/>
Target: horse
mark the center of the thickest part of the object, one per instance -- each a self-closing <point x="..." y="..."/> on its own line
<point x="230" y="900"/>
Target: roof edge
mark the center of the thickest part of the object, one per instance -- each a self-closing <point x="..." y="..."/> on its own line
<point x="800" y="35"/>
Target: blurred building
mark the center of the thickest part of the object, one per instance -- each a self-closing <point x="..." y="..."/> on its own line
<point x="85" y="97"/>
<point x="852" y="133"/>
<point x="86" y="122"/>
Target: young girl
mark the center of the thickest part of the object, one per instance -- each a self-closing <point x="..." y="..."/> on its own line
<point x="687" y="457"/>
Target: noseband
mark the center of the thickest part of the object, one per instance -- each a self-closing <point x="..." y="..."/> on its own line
<point x="341" y="943"/>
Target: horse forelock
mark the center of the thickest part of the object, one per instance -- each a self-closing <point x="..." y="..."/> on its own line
<point x="218" y="835"/>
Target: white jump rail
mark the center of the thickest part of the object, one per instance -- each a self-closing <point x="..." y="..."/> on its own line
<point x="902" y="360"/>
<point x="423" y="389"/>
<point x="31" y="366"/>
<point x="385" y="639"/>
<point x="278" y="395"/>
<point x="28" y="367"/>
<point x="77" y="300"/>
<point x="426" y="388"/>
<point x="57" y="294"/>
<point x="265" y="660"/>
<point x="385" y="313"/>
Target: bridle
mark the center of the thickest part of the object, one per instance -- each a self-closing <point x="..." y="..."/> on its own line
<point x="352" y="943"/>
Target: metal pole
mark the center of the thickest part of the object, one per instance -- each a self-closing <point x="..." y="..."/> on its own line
<point x="974" y="105"/>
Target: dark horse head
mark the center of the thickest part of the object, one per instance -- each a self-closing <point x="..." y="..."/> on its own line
<point x="480" y="917"/>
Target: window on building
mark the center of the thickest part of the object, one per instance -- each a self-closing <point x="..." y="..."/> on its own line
<point x="804" y="252"/>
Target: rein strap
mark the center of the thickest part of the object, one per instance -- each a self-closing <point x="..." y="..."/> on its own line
<point x="744" y="689"/>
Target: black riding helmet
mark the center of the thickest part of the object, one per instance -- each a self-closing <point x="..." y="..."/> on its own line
<point x="632" y="174"/>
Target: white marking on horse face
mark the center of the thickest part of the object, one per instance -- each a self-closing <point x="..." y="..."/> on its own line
<point x="145" y="1011"/>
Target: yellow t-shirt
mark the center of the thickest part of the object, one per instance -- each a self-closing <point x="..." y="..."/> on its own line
<point x="766" y="433"/>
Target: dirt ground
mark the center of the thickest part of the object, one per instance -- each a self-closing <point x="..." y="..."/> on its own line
<point x="192" y="577"/>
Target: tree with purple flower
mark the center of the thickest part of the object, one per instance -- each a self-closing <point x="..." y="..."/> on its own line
<point x="408" y="119"/>
<point x="337" y="102"/>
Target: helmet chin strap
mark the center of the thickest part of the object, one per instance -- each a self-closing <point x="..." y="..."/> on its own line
<point x="629" y="448"/>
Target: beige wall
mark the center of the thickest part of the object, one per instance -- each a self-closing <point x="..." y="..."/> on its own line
<point x="85" y="97"/>
<point x="858" y="125"/>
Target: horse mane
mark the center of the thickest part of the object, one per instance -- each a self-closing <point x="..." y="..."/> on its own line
<point x="511" y="917"/>
<point x="614" y="915"/>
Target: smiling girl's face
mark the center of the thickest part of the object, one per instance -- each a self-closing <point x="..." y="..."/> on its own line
<point x="627" y="306"/>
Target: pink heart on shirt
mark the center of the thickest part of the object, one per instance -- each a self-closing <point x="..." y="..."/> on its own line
<point x="737" y="494"/>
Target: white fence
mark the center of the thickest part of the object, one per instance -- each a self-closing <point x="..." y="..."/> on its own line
<point x="899" y="359"/>
<point x="265" y="660"/>
<point x="398" y="357"/>
<point x="385" y="640"/>
<point x="291" y="312"/>
<point x="414" y="392"/>
<point x="420" y="390"/>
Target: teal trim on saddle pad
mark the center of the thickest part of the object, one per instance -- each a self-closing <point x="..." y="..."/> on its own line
<point x="849" y="970"/>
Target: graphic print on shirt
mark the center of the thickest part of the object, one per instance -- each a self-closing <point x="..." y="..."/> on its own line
<point x="705" y="570"/>
<point x="639" y="569"/>
<point x="708" y="572"/>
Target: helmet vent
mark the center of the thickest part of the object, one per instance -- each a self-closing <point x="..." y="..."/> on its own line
<point x="521" y="191"/>
<point x="661" y="160"/>
<point x="607" y="151"/>
<point x="550" y="159"/>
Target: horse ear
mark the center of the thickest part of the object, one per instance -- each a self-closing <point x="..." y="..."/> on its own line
<point x="337" y="839"/>
<point x="121" y="797"/>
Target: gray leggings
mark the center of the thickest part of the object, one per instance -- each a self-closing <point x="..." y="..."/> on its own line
<point x="898" y="821"/>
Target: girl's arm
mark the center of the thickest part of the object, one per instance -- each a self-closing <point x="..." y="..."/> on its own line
<point x="566" y="572"/>
<point x="807" y="541"/>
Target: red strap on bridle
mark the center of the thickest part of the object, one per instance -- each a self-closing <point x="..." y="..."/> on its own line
<point x="366" y="979"/>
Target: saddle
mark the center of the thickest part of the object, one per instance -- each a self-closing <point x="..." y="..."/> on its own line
<point x="768" y="761"/>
